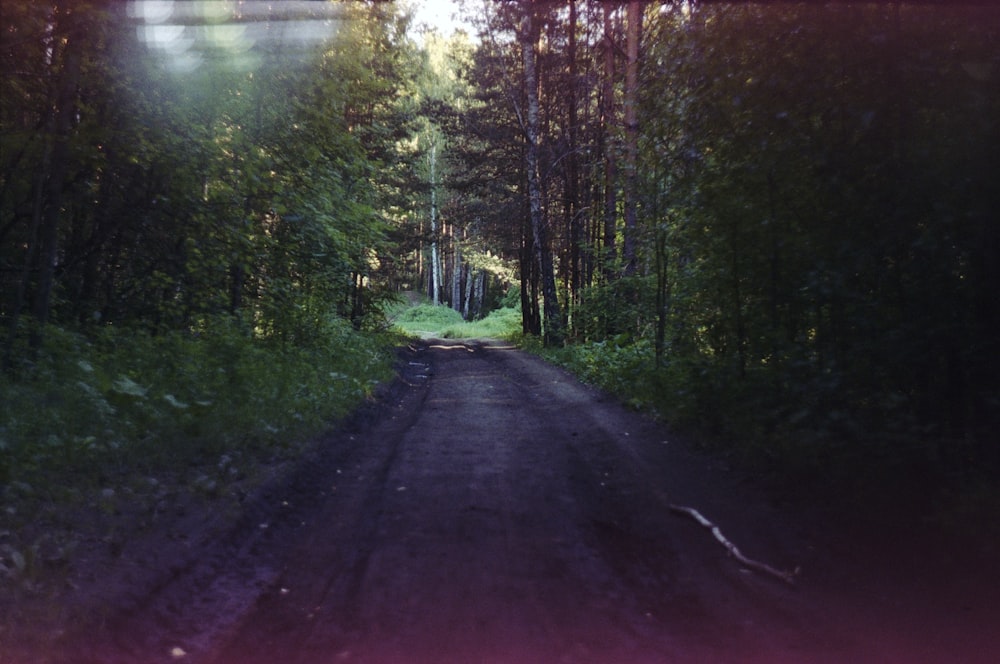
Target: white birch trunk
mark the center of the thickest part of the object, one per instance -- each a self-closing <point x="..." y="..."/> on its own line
<point x="435" y="257"/>
<point x="456" y="275"/>
<point x="469" y="279"/>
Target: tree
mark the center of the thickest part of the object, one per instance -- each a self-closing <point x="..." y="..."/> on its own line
<point x="528" y="38"/>
<point x="766" y="196"/>
<point x="634" y="21"/>
<point x="61" y="38"/>
<point x="436" y="272"/>
<point x="253" y="187"/>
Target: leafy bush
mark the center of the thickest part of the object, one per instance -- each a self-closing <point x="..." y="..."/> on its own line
<point x="621" y="308"/>
<point x="126" y="398"/>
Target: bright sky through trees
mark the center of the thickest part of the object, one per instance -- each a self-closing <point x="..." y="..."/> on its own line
<point x="444" y="15"/>
<point x="186" y="33"/>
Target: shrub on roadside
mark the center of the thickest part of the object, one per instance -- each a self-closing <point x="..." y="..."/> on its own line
<point x="445" y="322"/>
<point x="127" y="398"/>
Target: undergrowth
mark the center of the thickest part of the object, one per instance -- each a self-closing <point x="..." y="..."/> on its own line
<point x="428" y="320"/>
<point x="125" y="400"/>
<point x="787" y="438"/>
<point x="109" y="436"/>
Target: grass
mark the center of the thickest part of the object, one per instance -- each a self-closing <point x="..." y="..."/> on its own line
<point x="428" y="320"/>
<point x="161" y="399"/>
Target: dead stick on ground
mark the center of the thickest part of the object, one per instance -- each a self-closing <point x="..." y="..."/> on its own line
<point x="787" y="577"/>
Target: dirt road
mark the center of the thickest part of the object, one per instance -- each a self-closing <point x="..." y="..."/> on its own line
<point x="498" y="511"/>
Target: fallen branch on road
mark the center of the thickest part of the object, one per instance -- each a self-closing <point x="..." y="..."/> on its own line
<point x="786" y="576"/>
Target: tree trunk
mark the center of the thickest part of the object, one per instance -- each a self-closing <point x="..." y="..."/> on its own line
<point x="422" y="281"/>
<point x="531" y="321"/>
<point x="467" y="313"/>
<point x="543" y="252"/>
<point x="610" y="162"/>
<point x="572" y="204"/>
<point x="633" y="29"/>
<point x="357" y="299"/>
<point x="54" y="175"/>
<point x="435" y="255"/>
<point x="456" y="273"/>
<point x="480" y="294"/>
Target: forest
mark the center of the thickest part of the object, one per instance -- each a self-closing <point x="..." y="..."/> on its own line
<point x="774" y="225"/>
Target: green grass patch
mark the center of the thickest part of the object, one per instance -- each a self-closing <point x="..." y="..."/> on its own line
<point x="122" y="400"/>
<point x="427" y="320"/>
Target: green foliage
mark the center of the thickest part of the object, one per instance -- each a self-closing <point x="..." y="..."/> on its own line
<point x="427" y="320"/>
<point x="218" y="238"/>
<point x="620" y="368"/>
<point x="256" y="187"/>
<point x="504" y="323"/>
<point x="815" y="241"/>
<point x="622" y="308"/>
<point x="128" y="399"/>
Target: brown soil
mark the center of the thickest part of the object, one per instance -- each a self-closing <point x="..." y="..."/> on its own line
<point x="490" y="508"/>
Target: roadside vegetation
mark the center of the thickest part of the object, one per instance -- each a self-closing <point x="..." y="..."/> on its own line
<point x="862" y="459"/>
<point x="427" y="320"/>
<point x="189" y="262"/>
<point x="131" y="399"/>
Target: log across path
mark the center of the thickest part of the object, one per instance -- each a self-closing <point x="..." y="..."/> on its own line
<point x="498" y="511"/>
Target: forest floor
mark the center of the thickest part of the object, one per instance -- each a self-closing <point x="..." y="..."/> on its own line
<point x="490" y="508"/>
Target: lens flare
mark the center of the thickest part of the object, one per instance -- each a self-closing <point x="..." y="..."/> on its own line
<point x="188" y="33"/>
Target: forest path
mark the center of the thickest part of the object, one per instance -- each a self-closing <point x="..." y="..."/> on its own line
<point x="499" y="511"/>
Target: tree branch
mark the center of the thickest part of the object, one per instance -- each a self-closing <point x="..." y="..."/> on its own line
<point x="786" y="576"/>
